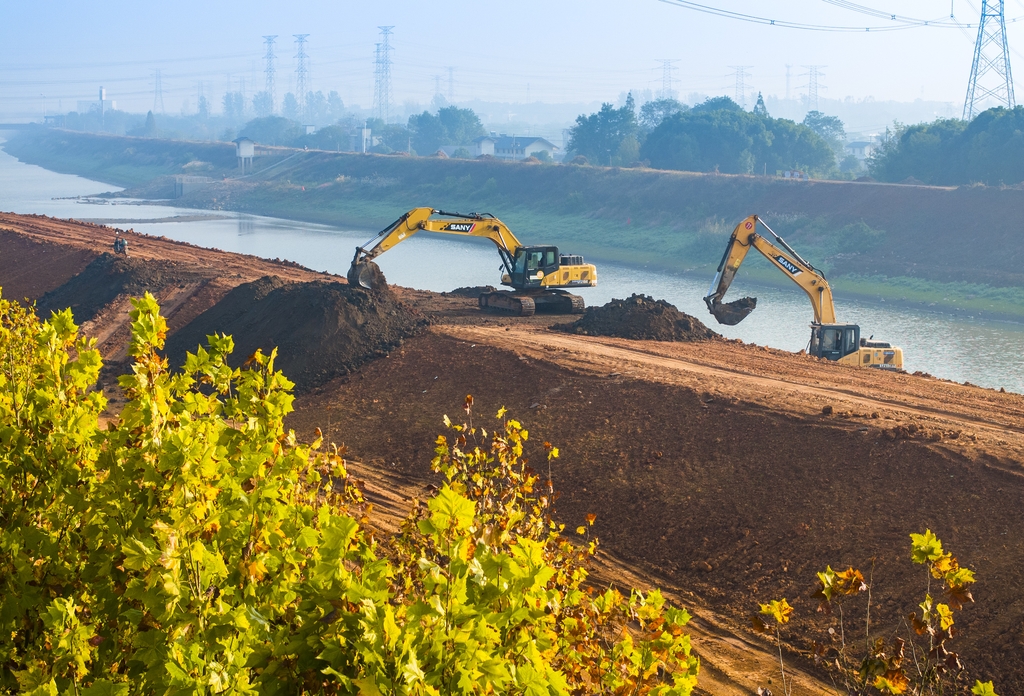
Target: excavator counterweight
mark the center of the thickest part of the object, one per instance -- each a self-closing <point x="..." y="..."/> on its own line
<point x="536" y="274"/>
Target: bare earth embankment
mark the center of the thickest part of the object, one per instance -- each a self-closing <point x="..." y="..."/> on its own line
<point x="713" y="466"/>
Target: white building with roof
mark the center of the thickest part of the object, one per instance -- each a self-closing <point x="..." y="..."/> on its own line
<point x="512" y="147"/>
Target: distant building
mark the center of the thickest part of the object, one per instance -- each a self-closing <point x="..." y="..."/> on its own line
<point x="102" y="105"/>
<point x="245" y="150"/>
<point x="861" y="149"/>
<point x="515" y="147"/>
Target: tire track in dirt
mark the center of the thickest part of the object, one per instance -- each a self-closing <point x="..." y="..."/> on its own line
<point x="584" y="352"/>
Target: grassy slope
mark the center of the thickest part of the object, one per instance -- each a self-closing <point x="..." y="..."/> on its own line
<point x="920" y="245"/>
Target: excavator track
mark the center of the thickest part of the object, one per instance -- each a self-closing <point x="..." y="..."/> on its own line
<point x="525" y="305"/>
<point x="508" y="303"/>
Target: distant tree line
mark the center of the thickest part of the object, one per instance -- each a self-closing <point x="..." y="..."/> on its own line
<point x="717" y="135"/>
<point x="951" y="152"/>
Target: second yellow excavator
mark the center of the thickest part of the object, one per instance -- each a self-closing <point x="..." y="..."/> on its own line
<point x="829" y="339"/>
<point x="536" y="274"/>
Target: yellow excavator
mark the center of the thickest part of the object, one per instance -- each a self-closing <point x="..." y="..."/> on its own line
<point x="536" y="274"/>
<point x="829" y="339"/>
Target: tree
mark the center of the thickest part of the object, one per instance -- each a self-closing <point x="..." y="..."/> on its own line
<point x="335" y="105"/>
<point x="705" y="141"/>
<point x="733" y="141"/>
<point x="194" y="545"/>
<point x="828" y="127"/>
<point x="203" y="107"/>
<point x="317" y="109"/>
<point x="290" y="107"/>
<point x="234" y="106"/>
<point x="654" y="112"/>
<point x="149" y="130"/>
<point x="950" y="152"/>
<point x="451" y="126"/>
<point x="599" y="136"/>
<point x="262" y="104"/>
<point x="272" y="130"/>
<point x="712" y="104"/>
<point x="759" y="108"/>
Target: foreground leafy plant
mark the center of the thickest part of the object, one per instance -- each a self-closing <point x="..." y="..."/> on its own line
<point x="883" y="664"/>
<point x="195" y="546"/>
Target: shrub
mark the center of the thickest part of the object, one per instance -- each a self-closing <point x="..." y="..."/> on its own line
<point x="194" y="545"/>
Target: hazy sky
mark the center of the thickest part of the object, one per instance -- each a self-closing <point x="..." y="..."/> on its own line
<point x="553" y="51"/>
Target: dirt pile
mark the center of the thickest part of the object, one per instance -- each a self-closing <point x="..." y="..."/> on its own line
<point x="322" y="329"/>
<point x="473" y="291"/>
<point x="640" y="317"/>
<point x="108" y="277"/>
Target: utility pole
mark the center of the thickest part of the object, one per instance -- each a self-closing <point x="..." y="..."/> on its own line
<point x="991" y="55"/>
<point x="741" y="84"/>
<point x="270" y="70"/>
<point x="382" y="76"/>
<point x="301" y="71"/>
<point x="158" y="93"/>
<point x="812" y="75"/>
<point x="667" y="66"/>
<point x="451" y="84"/>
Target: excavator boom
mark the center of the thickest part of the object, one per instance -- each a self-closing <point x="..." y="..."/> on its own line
<point x="537" y="274"/>
<point x="471" y="225"/>
<point x="782" y="256"/>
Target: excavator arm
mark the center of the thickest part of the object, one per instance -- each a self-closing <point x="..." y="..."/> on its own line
<point x="783" y="257"/>
<point x="363" y="273"/>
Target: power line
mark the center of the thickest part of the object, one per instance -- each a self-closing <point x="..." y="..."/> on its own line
<point x="897" y="25"/>
<point x="991" y="56"/>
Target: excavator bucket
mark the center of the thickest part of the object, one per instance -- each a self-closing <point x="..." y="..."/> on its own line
<point x="366" y="274"/>
<point x="731" y="313"/>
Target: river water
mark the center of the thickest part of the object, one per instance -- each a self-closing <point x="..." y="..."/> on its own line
<point x="952" y="347"/>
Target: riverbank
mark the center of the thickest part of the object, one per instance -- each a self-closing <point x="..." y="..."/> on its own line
<point x="942" y="248"/>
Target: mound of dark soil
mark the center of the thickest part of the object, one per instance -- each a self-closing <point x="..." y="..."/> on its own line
<point x="640" y="317"/>
<point x="321" y="329"/>
<point x="473" y="291"/>
<point x="109" y="276"/>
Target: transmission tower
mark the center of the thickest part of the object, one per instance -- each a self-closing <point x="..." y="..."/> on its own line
<point x="382" y="76"/>
<point x="991" y="56"/>
<point x="270" y="69"/>
<point x="301" y="70"/>
<point x="813" y="85"/>
<point x="667" y="66"/>
<point x="741" y="84"/>
<point x="158" y="93"/>
<point x="451" y="84"/>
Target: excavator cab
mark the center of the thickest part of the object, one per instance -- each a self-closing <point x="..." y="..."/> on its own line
<point x="532" y="264"/>
<point x="834" y="341"/>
